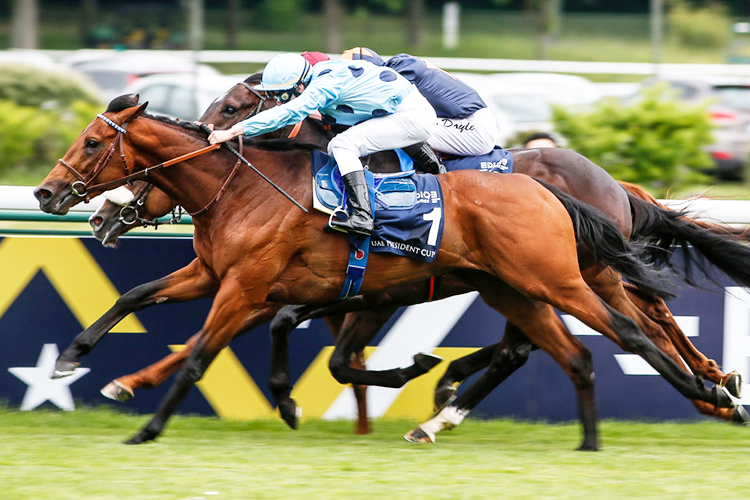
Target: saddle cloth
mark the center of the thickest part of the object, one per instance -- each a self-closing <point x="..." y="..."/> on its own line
<point x="408" y="208"/>
<point x="496" y="161"/>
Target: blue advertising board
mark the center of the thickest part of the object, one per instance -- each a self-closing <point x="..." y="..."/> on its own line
<point x="54" y="287"/>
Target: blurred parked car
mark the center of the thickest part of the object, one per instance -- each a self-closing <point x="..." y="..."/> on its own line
<point x="526" y="99"/>
<point x="181" y="95"/>
<point x="729" y="111"/>
<point x="113" y="72"/>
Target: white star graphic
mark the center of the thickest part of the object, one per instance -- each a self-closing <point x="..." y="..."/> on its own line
<point x="44" y="388"/>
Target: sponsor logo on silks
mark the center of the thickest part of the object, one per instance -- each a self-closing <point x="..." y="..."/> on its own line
<point x="359" y="254"/>
<point x="487" y="166"/>
<point x="428" y="197"/>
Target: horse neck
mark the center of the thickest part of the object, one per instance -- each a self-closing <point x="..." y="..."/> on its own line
<point x="193" y="184"/>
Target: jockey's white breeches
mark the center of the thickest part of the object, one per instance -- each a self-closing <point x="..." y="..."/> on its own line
<point x="470" y="136"/>
<point x="413" y="121"/>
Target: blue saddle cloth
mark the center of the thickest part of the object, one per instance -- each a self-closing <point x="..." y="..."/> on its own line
<point x="497" y="161"/>
<point x="408" y="207"/>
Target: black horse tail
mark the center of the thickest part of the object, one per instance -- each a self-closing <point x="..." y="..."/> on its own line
<point x="607" y="247"/>
<point x="663" y="229"/>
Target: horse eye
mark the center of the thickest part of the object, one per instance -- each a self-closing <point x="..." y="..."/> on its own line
<point x="91" y="143"/>
<point x="230" y="110"/>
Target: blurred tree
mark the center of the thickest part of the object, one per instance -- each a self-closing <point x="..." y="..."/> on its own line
<point x="88" y="18"/>
<point x="24" y="25"/>
<point x="233" y="17"/>
<point x="657" y="140"/>
<point x="332" y="26"/>
<point x="416" y="12"/>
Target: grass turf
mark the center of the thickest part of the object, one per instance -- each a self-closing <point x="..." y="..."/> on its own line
<point x="78" y="455"/>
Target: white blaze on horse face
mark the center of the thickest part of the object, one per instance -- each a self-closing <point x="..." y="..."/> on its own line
<point x="120" y="196"/>
<point x="220" y="98"/>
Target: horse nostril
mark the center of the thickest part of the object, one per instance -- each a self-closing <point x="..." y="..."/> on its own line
<point x="42" y="194"/>
<point x="96" y="222"/>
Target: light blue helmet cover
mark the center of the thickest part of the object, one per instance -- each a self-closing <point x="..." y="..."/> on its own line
<point x="285" y="71"/>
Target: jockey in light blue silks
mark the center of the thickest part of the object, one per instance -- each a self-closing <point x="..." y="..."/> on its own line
<point x="465" y="125"/>
<point x="385" y="112"/>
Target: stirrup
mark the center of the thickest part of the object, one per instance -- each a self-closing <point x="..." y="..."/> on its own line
<point x="336" y="211"/>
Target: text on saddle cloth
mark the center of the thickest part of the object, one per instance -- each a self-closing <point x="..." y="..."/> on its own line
<point x="408" y="208"/>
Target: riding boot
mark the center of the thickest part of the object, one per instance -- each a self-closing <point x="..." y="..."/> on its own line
<point x="425" y="159"/>
<point x="360" y="219"/>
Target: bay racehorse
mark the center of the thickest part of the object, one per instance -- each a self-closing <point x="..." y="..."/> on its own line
<point x="242" y="98"/>
<point x="264" y="250"/>
<point x="565" y="169"/>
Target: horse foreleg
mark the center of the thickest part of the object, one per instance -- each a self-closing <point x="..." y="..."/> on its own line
<point x="123" y="388"/>
<point x="190" y="282"/>
<point x="230" y="316"/>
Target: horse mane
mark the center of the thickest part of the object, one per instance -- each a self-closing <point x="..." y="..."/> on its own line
<point x="254" y="78"/>
<point x="122" y="102"/>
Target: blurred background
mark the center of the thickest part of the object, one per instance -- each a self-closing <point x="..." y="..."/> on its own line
<point x="655" y="91"/>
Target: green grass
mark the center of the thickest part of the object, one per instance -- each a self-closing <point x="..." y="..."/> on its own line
<point x="78" y="455"/>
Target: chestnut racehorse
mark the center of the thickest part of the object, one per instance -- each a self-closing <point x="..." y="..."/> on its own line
<point x="264" y="250"/>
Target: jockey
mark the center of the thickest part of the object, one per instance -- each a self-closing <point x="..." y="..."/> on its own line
<point x="384" y="110"/>
<point x="466" y="126"/>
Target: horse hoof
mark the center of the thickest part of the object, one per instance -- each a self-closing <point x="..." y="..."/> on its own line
<point x="723" y="398"/>
<point x="426" y="361"/>
<point x="140" y="438"/>
<point x="443" y="396"/>
<point x="419" y="435"/>
<point x="116" y="391"/>
<point x="740" y="415"/>
<point x="65" y="368"/>
<point x="290" y="412"/>
<point x="733" y="383"/>
<point x="588" y="447"/>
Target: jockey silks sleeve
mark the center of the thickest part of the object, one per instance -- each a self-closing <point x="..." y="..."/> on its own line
<point x="345" y="92"/>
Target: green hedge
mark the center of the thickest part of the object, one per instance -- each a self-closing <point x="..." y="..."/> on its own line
<point x="41" y="114"/>
<point x="657" y="141"/>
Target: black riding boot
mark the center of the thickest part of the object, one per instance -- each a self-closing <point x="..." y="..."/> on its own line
<point x="425" y="159"/>
<point x="360" y="219"/>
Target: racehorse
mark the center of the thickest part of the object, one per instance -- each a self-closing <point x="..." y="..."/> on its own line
<point x="108" y="223"/>
<point x="264" y="253"/>
<point x="242" y="98"/>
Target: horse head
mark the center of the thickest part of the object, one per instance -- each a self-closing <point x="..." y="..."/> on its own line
<point x="84" y="163"/>
<point x="238" y="103"/>
<point x="127" y="207"/>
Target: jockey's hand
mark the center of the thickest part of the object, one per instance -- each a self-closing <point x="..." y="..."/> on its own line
<point x="218" y="136"/>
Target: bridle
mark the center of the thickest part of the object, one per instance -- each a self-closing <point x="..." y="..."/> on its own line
<point x="259" y="107"/>
<point x="85" y="181"/>
<point x="129" y="214"/>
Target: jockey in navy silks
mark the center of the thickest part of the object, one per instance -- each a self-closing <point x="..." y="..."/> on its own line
<point x="465" y="125"/>
<point x="384" y="111"/>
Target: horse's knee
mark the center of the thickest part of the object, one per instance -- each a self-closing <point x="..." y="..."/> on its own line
<point x="631" y="337"/>
<point x="192" y="371"/>
<point x="338" y="365"/>
<point x="284" y="321"/>
<point x="135" y="298"/>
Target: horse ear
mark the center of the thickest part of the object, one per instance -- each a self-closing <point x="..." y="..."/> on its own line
<point x="133" y="113"/>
